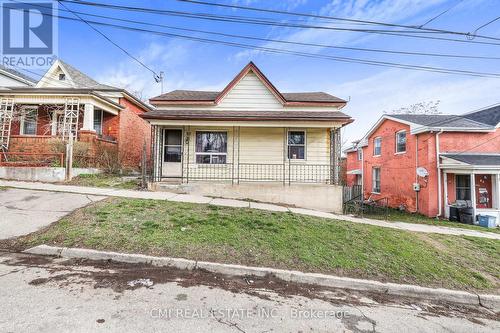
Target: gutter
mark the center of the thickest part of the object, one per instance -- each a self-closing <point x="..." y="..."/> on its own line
<point x="440" y="208"/>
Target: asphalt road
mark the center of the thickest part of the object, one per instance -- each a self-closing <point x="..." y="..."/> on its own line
<point x="25" y="211"/>
<point x="40" y="294"/>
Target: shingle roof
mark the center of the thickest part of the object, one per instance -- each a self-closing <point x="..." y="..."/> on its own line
<point x="197" y="95"/>
<point x="18" y="74"/>
<point x="246" y="115"/>
<point x="82" y="80"/>
<point x="187" y="95"/>
<point x="490" y="116"/>
<point x="476" y="159"/>
<point x="441" y="120"/>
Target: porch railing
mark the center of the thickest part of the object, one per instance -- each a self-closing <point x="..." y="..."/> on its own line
<point x="252" y="172"/>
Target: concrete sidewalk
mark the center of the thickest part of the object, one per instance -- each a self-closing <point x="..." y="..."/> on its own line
<point x="244" y="204"/>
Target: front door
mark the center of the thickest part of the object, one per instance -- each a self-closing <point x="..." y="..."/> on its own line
<point x="172" y="153"/>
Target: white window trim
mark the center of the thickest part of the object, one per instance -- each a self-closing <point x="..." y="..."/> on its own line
<point x="377" y="155"/>
<point x="359" y="154"/>
<point x="380" y="180"/>
<point x="211" y="154"/>
<point x="102" y="121"/>
<point x="288" y="145"/>
<point x="21" y="123"/>
<point x="396" y="152"/>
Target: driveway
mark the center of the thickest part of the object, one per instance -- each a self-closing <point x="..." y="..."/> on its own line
<point x="25" y="211"/>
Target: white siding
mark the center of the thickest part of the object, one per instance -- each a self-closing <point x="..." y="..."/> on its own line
<point x="6" y="81"/>
<point x="250" y="93"/>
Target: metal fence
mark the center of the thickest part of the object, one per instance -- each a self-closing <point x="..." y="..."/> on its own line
<point x="286" y="173"/>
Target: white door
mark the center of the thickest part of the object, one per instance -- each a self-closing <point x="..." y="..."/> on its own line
<point x="172" y="153"/>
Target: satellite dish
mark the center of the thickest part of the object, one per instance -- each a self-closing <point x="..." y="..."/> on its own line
<point x="422" y="172"/>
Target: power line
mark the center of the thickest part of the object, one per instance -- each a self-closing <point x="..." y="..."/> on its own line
<point x="466" y="34"/>
<point x="222" y="18"/>
<point x="109" y="40"/>
<point x="289" y="41"/>
<point x="486" y="24"/>
<point x="442" y="13"/>
<point x="290" y="52"/>
<point x="233" y="19"/>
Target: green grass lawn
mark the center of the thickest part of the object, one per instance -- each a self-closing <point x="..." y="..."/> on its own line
<point x="105" y="180"/>
<point x="281" y="240"/>
<point x="396" y="215"/>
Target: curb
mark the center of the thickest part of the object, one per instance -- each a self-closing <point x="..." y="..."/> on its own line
<point x="405" y="290"/>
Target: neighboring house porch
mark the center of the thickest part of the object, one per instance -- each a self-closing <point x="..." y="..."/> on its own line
<point x="473" y="178"/>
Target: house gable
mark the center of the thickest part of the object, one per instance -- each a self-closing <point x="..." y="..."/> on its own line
<point x="52" y="78"/>
<point x="249" y="92"/>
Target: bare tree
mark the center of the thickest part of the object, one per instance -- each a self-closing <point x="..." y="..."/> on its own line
<point x="430" y="107"/>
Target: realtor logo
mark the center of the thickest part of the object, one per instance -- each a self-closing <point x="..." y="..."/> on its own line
<point x="28" y="32"/>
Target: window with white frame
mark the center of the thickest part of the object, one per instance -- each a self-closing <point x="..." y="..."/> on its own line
<point x="211" y="147"/>
<point x="400" y="142"/>
<point x="376" y="180"/>
<point x="98" y="115"/>
<point x="296" y="145"/>
<point x="462" y="185"/>
<point x="29" y="121"/>
<point x="360" y="154"/>
<point x="377" y="146"/>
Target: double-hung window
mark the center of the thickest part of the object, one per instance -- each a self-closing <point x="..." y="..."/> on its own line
<point x="360" y="154"/>
<point x="376" y="180"/>
<point x="462" y="185"/>
<point x="377" y="146"/>
<point x="29" y="121"/>
<point x="98" y="114"/>
<point x="211" y="147"/>
<point x="296" y="145"/>
<point x="400" y="142"/>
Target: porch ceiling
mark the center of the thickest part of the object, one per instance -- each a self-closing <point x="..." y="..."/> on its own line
<point x="489" y="163"/>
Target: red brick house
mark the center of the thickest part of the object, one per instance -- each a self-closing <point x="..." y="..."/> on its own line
<point x="66" y="101"/>
<point x="425" y="163"/>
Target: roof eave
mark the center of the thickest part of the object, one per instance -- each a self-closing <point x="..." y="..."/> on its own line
<point x="423" y="129"/>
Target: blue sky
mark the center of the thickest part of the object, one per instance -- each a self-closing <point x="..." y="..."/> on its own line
<point x="371" y="90"/>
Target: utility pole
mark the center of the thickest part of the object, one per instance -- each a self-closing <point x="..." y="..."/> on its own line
<point x="159" y="79"/>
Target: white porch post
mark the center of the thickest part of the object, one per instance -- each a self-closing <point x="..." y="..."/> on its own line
<point x="88" y="117"/>
<point x="445" y="195"/>
<point x="473" y="194"/>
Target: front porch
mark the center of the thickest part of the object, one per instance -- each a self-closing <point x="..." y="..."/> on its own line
<point x="32" y="126"/>
<point x="245" y="154"/>
<point x="473" y="181"/>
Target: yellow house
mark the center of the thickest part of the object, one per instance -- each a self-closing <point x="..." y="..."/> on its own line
<point x="247" y="133"/>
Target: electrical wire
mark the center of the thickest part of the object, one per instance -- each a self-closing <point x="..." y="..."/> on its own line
<point x="441" y="55"/>
<point x="296" y="53"/>
<point x="441" y="14"/>
<point x="234" y="6"/>
<point x="110" y="40"/>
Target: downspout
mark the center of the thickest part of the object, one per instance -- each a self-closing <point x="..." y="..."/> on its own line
<point x="416" y="175"/>
<point x="362" y="174"/>
<point x="438" y="164"/>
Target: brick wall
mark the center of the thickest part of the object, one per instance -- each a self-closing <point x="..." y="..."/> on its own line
<point x="133" y="132"/>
